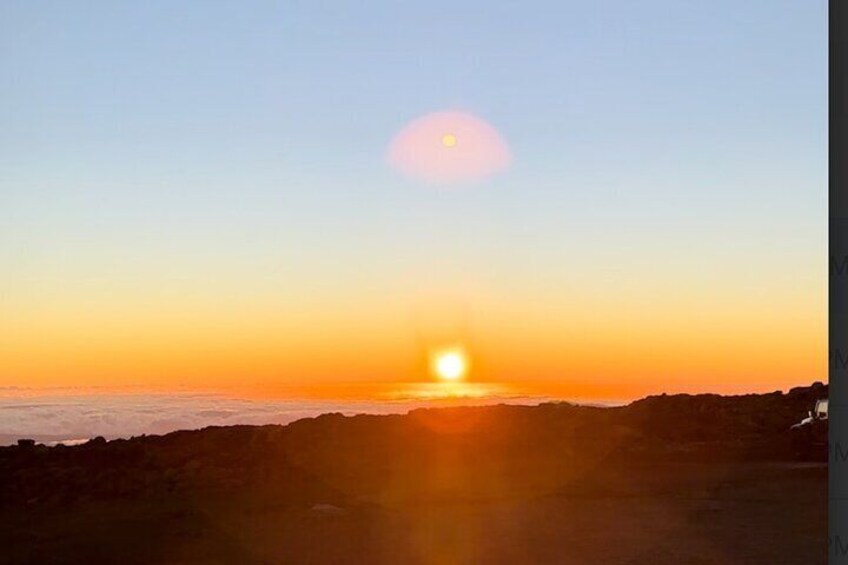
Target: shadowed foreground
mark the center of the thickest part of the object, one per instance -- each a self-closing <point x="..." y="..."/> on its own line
<point x="669" y="479"/>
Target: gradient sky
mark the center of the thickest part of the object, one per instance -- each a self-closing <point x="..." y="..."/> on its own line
<point x="196" y="194"/>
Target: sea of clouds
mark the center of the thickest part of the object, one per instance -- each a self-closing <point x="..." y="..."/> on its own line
<point x="73" y="418"/>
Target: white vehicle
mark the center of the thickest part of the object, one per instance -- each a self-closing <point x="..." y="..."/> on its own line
<point x="821" y="409"/>
<point x="817" y="414"/>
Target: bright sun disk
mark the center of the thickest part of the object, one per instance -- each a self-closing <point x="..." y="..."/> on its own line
<point x="450" y="365"/>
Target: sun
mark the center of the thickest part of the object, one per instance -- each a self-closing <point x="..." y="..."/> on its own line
<point x="449" y="140"/>
<point x="450" y="364"/>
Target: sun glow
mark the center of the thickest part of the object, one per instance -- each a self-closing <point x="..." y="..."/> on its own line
<point x="449" y="364"/>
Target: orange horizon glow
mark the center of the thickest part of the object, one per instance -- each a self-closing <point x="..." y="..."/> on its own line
<point x="560" y="349"/>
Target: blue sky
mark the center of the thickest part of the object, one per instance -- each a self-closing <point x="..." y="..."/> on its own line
<point x="690" y="106"/>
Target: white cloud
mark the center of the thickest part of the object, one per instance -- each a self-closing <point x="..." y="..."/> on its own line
<point x="64" y="416"/>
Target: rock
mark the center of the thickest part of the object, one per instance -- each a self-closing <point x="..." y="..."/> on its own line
<point x="328" y="510"/>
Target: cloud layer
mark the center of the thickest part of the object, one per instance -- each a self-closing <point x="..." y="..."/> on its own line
<point x="70" y="418"/>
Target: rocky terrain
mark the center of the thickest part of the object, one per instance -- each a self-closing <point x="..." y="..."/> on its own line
<point x="667" y="479"/>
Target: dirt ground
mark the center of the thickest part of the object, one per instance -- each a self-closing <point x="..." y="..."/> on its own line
<point x="762" y="514"/>
<point x="669" y="479"/>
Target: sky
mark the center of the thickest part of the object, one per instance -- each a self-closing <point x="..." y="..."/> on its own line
<point x="198" y="194"/>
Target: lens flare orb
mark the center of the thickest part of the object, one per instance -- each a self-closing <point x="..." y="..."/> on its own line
<point x="449" y="147"/>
